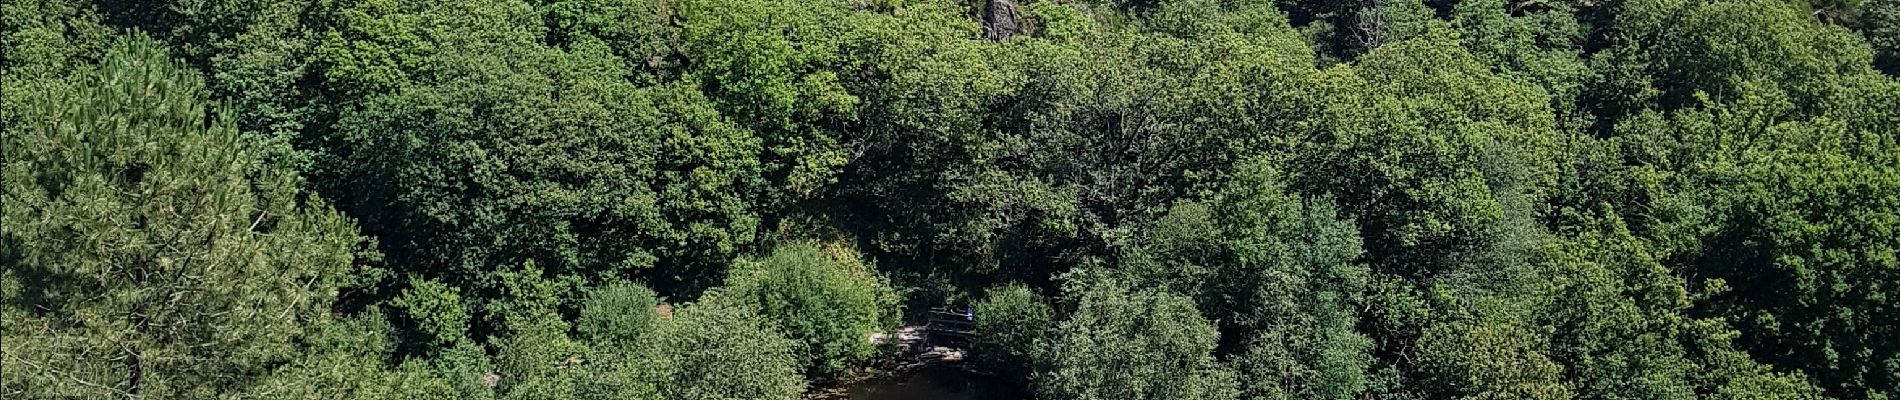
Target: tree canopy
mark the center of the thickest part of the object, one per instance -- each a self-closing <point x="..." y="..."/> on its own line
<point x="738" y="199"/>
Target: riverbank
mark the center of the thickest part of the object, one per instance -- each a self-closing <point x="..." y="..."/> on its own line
<point x="903" y="353"/>
<point x="931" y="381"/>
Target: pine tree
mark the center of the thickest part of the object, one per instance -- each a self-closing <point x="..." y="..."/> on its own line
<point x="146" y="253"/>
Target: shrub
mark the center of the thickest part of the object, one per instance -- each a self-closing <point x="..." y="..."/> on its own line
<point x="1133" y="346"/>
<point x="822" y="296"/>
<point x="618" y="312"/>
<point x="1010" y="321"/>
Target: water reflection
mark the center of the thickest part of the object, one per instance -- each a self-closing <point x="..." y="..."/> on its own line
<point x="936" y="382"/>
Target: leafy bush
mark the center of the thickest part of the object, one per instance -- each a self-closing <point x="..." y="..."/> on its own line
<point x="1132" y="345"/>
<point x="618" y="312"/>
<point x="823" y="296"/>
<point x="1010" y="321"/>
<point x="714" y="351"/>
<point x="436" y="310"/>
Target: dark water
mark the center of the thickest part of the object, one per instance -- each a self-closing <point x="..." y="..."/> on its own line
<point x="937" y="382"/>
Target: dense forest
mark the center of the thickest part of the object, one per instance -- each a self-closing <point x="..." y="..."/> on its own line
<point x="1141" y="199"/>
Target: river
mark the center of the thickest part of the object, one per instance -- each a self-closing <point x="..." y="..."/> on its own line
<point x="935" y="382"/>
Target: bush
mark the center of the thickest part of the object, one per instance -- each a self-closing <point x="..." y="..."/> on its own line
<point x="822" y="296"/>
<point x="1010" y="321"/>
<point x="347" y="358"/>
<point x="619" y="321"/>
<point x="714" y="350"/>
<point x="617" y="313"/>
<point x="1133" y="346"/>
<point x="1488" y="361"/>
<point x="436" y="310"/>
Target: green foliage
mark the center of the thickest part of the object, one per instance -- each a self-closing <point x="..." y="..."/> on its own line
<point x="1807" y="246"/>
<point x="1672" y="54"/>
<point x="620" y="323"/>
<point x="1426" y="148"/>
<point x="768" y="66"/>
<point x="1534" y="44"/>
<point x="1280" y="275"/>
<point x="535" y="357"/>
<point x="1184" y="252"/>
<point x="1880" y="21"/>
<point x="1623" y="324"/>
<point x="468" y="144"/>
<point x="1290" y="291"/>
<point x="1655" y="199"/>
<point x="47" y="39"/>
<point x="1019" y="159"/>
<point x="618" y="312"/>
<point x="1620" y="319"/>
<point x="521" y="151"/>
<point x="1012" y="321"/>
<point x="1132" y="344"/>
<point x="147" y="252"/>
<point x="712" y="350"/>
<point x="1488" y="361"/>
<point x="346" y="359"/>
<point x="1739" y="189"/>
<point x="821" y="295"/>
<point x="1384" y="22"/>
<point x="634" y="29"/>
<point x="436" y="310"/>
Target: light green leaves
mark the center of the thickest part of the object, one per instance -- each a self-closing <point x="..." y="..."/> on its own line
<point x="822" y="295"/>
<point x="154" y="255"/>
